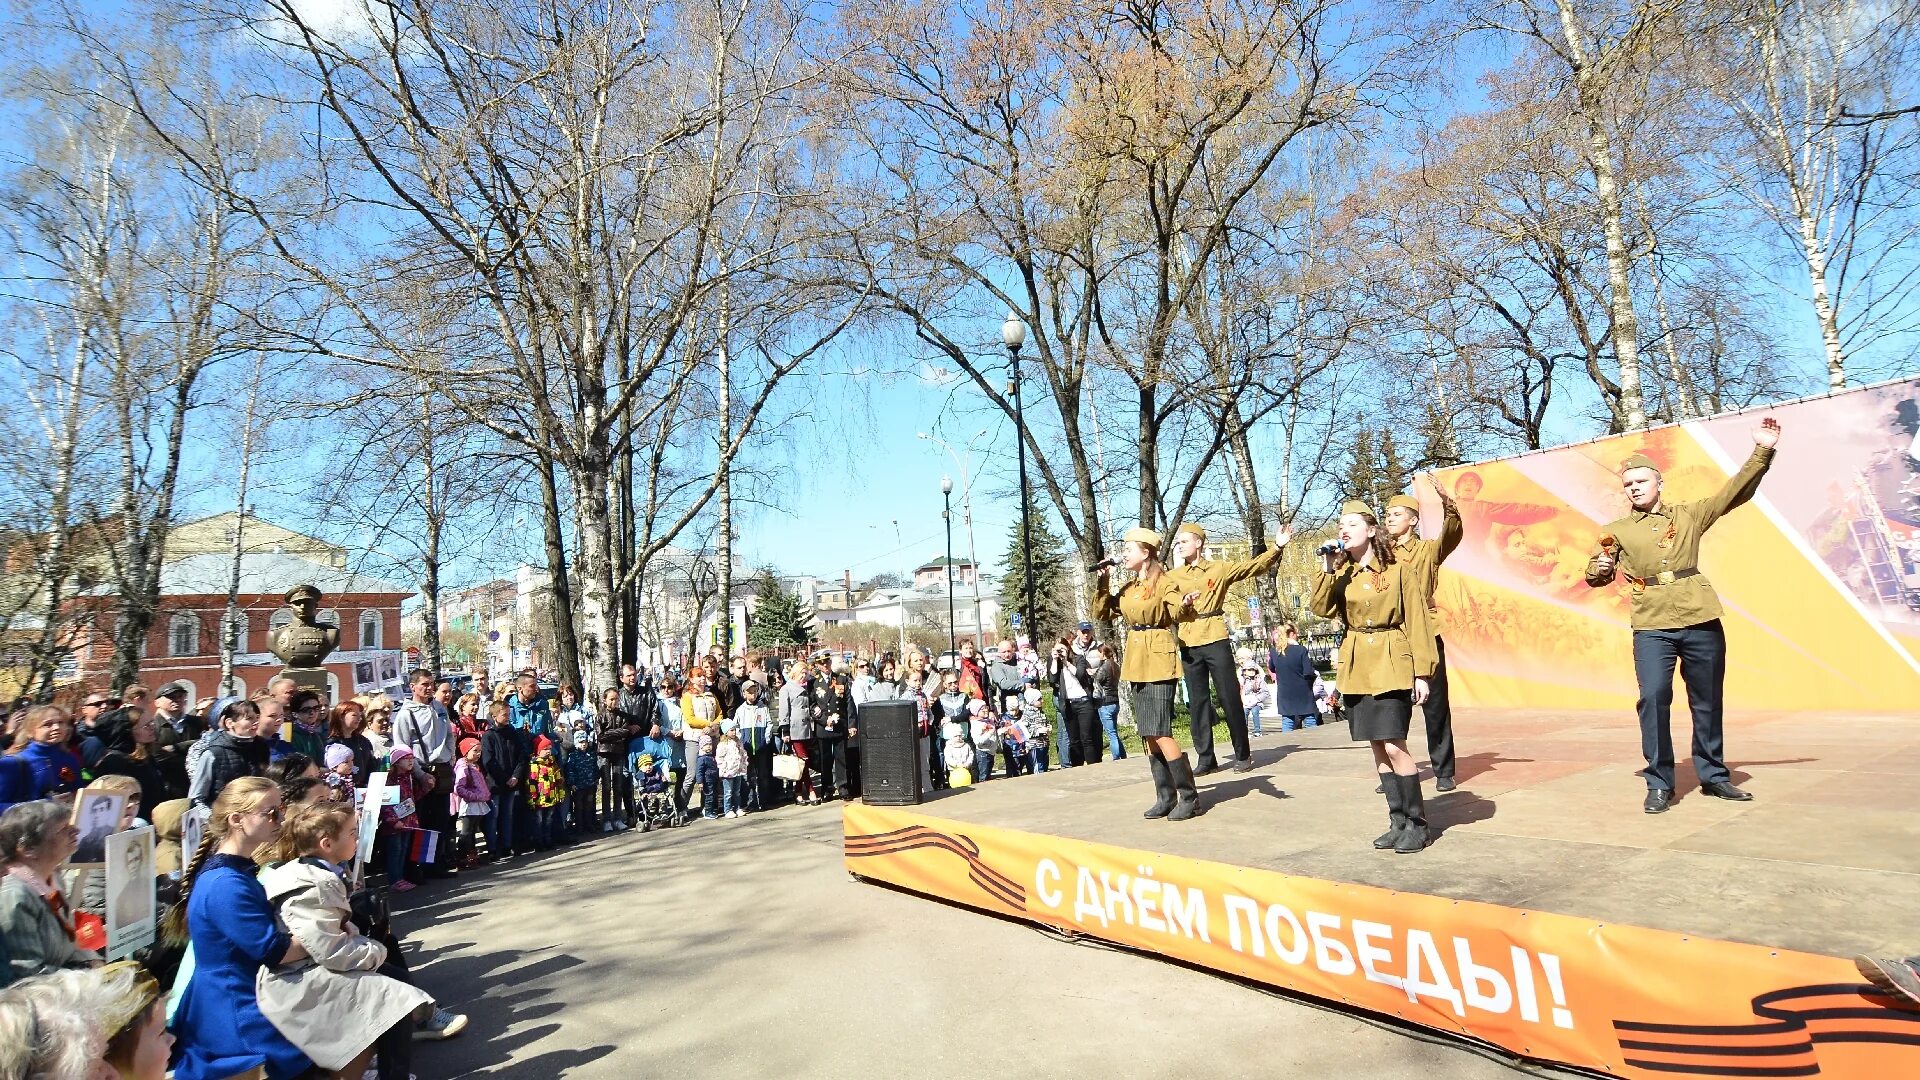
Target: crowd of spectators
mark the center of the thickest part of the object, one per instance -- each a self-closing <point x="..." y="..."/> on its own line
<point x="275" y="951"/>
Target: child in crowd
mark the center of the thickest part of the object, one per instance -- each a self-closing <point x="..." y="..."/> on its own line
<point x="399" y="821"/>
<point x="472" y="800"/>
<point x="546" y="788"/>
<point x="1253" y="694"/>
<point x="342" y="1006"/>
<point x="339" y="774"/>
<point x="986" y="739"/>
<point x="755" y="725"/>
<point x="959" y="757"/>
<point x="1013" y="741"/>
<point x="730" y="758"/>
<point x="583" y="777"/>
<point x="1033" y="729"/>
<point x="706" y="768"/>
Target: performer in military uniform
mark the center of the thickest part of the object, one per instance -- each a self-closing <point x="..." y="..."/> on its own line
<point x="1423" y="559"/>
<point x="1385" y="657"/>
<point x="1151" y="606"/>
<point x="1205" y="654"/>
<point x="1676" y="613"/>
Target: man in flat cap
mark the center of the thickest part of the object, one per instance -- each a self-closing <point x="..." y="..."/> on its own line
<point x="1206" y="656"/>
<point x="1423" y="557"/>
<point x="1676" y="614"/>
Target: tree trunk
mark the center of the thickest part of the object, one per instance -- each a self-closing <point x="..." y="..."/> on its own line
<point x="1589" y="95"/>
<point x="590" y="472"/>
<point x="430" y="564"/>
<point x="229" y="621"/>
<point x="724" y="571"/>
<point x="566" y="643"/>
<point x="1816" y="252"/>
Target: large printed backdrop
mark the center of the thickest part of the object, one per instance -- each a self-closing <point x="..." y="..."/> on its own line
<point x="1820" y="574"/>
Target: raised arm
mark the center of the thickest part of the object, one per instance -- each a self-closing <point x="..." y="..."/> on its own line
<point x="1742" y="486"/>
<point x="1451" y="529"/>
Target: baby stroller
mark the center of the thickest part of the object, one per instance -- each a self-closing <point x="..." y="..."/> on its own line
<point x="653" y="798"/>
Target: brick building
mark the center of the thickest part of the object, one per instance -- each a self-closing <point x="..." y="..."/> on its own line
<point x="184" y="642"/>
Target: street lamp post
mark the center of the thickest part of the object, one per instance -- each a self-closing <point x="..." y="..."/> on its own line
<point x="966" y="517"/>
<point x="946" y="494"/>
<point x="1013" y="333"/>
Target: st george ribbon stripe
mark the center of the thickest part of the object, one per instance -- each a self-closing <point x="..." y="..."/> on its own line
<point x="912" y="837"/>
<point x="1805" y="1016"/>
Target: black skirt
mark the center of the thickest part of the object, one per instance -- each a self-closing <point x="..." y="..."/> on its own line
<point x="1153" y="708"/>
<point x="1378" y="717"/>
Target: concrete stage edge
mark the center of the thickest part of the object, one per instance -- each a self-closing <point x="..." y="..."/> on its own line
<point x="1550" y="917"/>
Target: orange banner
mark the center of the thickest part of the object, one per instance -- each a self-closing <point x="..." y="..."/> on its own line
<point x="1631" y="1001"/>
<point x="1819" y="575"/>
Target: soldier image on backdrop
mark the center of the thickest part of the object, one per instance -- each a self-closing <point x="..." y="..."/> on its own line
<point x="1423" y="559"/>
<point x="1676" y="613"/>
<point x="1386" y="654"/>
<point x="1206" y="656"/>
<point x="1151" y="607"/>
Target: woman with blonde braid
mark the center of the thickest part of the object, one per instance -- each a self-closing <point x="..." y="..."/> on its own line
<point x="1150" y="605"/>
<point x="224" y="912"/>
<point x="1385" y="658"/>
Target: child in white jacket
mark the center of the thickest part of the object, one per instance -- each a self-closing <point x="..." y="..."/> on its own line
<point x="336" y="1006"/>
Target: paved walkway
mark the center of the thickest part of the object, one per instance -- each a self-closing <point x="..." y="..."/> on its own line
<point x="742" y="949"/>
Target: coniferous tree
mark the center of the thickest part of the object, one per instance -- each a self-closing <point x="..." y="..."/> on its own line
<point x="779" y="618"/>
<point x="1052" y="583"/>
<point x="1393" y="470"/>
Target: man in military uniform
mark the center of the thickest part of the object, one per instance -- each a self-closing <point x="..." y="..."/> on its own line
<point x="1205" y="653"/>
<point x="1676" y="614"/>
<point x="1423" y="558"/>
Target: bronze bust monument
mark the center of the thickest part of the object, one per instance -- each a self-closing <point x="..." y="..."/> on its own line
<point x="303" y="644"/>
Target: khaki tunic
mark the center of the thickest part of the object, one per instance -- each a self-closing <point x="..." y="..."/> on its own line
<point x="1652" y="542"/>
<point x="1207" y="623"/>
<point x="1150" y="614"/>
<point x="1389" y="639"/>
<point x="1423" y="558"/>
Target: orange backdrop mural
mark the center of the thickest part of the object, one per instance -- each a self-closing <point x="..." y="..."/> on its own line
<point x="1630" y="1001"/>
<point x="1819" y="575"/>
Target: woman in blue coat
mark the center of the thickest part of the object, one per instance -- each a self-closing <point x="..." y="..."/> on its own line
<point x="1292" y="680"/>
<point x="231" y="924"/>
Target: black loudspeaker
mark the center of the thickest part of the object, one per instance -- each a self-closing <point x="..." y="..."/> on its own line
<point x="893" y="767"/>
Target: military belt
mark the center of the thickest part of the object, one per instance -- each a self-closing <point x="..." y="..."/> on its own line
<point x="1664" y="577"/>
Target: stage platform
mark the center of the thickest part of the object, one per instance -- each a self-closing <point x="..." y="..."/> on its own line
<point x="1824" y="863"/>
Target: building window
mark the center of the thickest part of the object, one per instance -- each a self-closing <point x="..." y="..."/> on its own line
<point x="183" y="634"/>
<point x="280" y="618"/>
<point x="369" y="629"/>
<point x="327" y="617"/>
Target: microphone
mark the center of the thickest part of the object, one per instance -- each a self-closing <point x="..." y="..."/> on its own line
<point x="1331" y="547"/>
<point x="1103" y="564"/>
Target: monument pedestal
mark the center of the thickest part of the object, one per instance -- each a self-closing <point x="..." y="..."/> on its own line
<point x="309" y="678"/>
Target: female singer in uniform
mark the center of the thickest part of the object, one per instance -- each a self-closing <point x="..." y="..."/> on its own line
<point x="1385" y="658"/>
<point x="1149" y="665"/>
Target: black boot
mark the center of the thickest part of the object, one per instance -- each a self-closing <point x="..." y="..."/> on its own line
<point x="1414" y="837"/>
<point x="1162" y="785"/>
<point x="1396" y="814"/>
<point x="1187" y="801"/>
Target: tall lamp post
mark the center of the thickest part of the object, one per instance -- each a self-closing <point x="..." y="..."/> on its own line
<point x="946" y="494"/>
<point x="1013" y="333"/>
<point x="966" y="518"/>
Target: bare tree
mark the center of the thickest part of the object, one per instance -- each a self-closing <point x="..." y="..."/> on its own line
<point x="1084" y="169"/>
<point x="1791" y="77"/>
